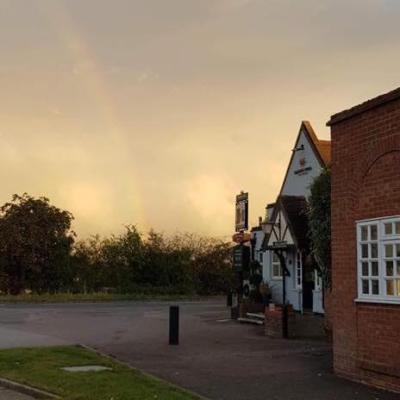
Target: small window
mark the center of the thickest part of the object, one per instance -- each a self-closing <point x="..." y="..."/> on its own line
<point x="261" y="257"/>
<point x="276" y="267"/>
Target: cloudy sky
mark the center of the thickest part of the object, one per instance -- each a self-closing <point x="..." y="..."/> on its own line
<point x="157" y="112"/>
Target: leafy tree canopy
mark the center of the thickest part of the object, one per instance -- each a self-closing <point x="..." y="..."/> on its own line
<point x="35" y="243"/>
<point x="319" y="215"/>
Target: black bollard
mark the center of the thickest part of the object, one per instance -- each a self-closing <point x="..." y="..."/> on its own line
<point x="174" y="325"/>
<point x="229" y="299"/>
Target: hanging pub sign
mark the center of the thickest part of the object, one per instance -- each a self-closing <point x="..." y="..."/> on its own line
<point x="242" y="212"/>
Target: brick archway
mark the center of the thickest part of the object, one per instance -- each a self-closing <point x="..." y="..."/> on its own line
<point x="378" y="190"/>
<point x="372" y="160"/>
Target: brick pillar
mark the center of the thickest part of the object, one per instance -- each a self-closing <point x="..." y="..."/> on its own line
<point x="273" y="322"/>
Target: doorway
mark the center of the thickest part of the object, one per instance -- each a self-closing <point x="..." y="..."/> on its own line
<point x="308" y="287"/>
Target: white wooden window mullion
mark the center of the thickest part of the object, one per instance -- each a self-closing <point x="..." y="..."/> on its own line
<point x="386" y="242"/>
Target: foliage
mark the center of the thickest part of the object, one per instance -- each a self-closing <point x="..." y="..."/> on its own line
<point x="38" y="254"/>
<point x="42" y="368"/>
<point x="129" y="263"/>
<point x="319" y="215"/>
<point x="35" y="244"/>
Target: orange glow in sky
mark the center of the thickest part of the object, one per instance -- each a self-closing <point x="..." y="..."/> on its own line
<point x="158" y="112"/>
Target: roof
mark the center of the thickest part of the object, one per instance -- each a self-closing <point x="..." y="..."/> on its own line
<point x="363" y="107"/>
<point x="295" y="208"/>
<point x="322" y="148"/>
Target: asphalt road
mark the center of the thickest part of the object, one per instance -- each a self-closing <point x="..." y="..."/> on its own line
<point x="217" y="358"/>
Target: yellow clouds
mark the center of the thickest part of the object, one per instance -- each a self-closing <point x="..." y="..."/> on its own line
<point x="91" y="203"/>
<point x="211" y="199"/>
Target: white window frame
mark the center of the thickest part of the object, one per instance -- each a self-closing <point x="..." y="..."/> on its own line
<point x="299" y="270"/>
<point x="317" y="281"/>
<point x="274" y="264"/>
<point x="367" y="262"/>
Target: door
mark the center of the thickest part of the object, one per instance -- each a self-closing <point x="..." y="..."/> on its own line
<point x="308" y="287"/>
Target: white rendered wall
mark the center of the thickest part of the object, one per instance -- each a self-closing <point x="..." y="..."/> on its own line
<point x="299" y="184"/>
<point x="293" y="294"/>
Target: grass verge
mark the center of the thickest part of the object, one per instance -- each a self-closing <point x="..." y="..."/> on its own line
<point x="41" y="369"/>
<point x="91" y="297"/>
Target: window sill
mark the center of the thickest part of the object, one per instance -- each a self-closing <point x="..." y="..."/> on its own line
<point x="377" y="300"/>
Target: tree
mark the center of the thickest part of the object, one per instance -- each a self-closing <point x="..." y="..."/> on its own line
<point x="35" y="245"/>
<point x="319" y="215"/>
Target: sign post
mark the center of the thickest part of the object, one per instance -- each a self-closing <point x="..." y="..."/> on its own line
<point x="241" y="252"/>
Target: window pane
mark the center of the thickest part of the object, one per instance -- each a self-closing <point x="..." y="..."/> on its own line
<point x="388" y="250"/>
<point x="374" y="232"/>
<point x="374" y="250"/>
<point x="364" y="233"/>
<point x="397" y="250"/>
<point x="389" y="268"/>
<point x="388" y="229"/>
<point x="365" y="286"/>
<point x="389" y="287"/>
<point x="397" y="288"/>
<point x="397" y="228"/>
<point x="364" y="251"/>
<point x="374" y="268"/>
<point x="375" y="286"/>
<point x="275" y="257"/>
<point x="364" y="269"/>
<point x="277" y="270"/>
<point x="398" y="267"/>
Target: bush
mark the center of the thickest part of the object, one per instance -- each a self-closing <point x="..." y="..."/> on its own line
<point x="35" y="245"/>
<point x="38" y="253"/>
<point x="129" y="263"/>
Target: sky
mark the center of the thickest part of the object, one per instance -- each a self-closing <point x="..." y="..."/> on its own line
<point x="157" y="112"/>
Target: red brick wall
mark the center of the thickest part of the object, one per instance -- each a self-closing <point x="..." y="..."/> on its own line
<point x="365" y="184"/>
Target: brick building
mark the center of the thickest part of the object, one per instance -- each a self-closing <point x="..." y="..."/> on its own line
<point x="365" y="301"/>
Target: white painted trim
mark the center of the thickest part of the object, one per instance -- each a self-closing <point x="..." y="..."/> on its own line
<point x="377" y="219"/>
<point x="378" y="300"/>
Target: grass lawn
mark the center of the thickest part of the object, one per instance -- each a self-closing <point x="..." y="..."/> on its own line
<point x="80" y="297"/>
<point x="41" y="368"/>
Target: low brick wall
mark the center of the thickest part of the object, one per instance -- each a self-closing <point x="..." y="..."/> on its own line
<point x="274" y="322"/>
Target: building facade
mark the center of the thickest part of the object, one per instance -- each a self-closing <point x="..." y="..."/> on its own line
<point x="287" y="217"/>
<point x="365" y="300"/>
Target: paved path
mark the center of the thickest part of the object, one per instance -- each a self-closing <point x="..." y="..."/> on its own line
<point x="217" y="358"/>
